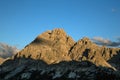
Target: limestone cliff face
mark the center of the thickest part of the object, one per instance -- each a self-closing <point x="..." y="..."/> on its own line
<point x="51" y="46"/>
<point x="85" y="49"/>
<point x="56" y="46"/>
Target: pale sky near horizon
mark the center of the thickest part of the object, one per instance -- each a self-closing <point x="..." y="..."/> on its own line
<point x="23" y="20"/>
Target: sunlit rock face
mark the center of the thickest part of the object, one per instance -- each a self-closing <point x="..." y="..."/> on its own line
<point x="51" y="46"/>
<point x="54" y="55"/>
<point x="55" y="46"/>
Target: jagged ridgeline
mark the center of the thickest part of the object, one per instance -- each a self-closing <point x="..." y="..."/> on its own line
<point x="54" y="55"/>
<point x="56" y="46"/>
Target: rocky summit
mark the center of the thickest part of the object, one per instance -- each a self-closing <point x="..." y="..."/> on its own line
<point x="54" y="55"/>
<point x="51" y="47"/>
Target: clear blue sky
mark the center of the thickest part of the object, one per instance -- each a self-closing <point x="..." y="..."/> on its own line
<point x="22" y="20"/>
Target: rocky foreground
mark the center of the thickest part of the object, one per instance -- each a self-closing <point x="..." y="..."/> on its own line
<point x="54" y="55"/>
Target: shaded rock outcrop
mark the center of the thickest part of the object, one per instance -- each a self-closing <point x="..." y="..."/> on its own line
<point x="65" y="70"/>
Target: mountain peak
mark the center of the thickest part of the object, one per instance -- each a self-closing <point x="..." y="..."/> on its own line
<point x="85" y="39"/>
<point x="56" y="54"/>
<point x="58" y="31"/>
<point x="55" y="34"/>
<point x="50" y="46"/>
<point x="56" y="46"/>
